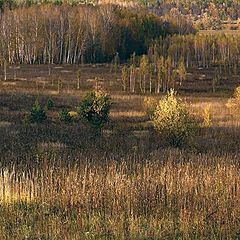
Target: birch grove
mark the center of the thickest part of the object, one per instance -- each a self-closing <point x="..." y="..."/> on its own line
<point x="48" y="34"/>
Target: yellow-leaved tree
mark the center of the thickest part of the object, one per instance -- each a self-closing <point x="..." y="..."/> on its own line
<point x="173" y="119"/>
<point x="233" y="104"/>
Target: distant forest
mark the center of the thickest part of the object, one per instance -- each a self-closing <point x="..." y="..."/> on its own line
<point x="73" y="32"/>
<point x="201" y="14"/>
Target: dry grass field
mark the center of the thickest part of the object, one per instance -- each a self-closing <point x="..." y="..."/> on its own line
<point x="58" y="181"/>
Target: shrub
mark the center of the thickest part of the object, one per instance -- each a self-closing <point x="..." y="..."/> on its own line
<point x="50" y="104"/>
<point x="149" y="106"/>
<point x="37" y="115"/>
<point x="233" y="104"/>
<point x="95" y="108"/>
<point x="125" y="77"/>
<point x="173" y="119"/>
<point x="206" y="115"/>
<point x="65" y="116"/>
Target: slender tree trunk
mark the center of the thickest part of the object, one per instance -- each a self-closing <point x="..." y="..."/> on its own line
<point x="140" y="83"/>
<point x="14" y="72"/>
<point x="144" y="83"/>
<point x="5" y="70"/>
<point x="150" y="84"/>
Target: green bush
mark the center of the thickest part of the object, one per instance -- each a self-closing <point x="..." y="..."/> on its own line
<point x="50" y="104"/>
<point x="65" y="116"/>
<point x="95" y="108"/>
<point x="37" y="115"/>
<point x="173" y="119"/>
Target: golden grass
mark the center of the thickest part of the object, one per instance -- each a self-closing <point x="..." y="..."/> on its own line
<point x="165" y="196"/>
<point x="57" y="182"/>
<point x="132" y="114"/>
<point x="214" y="32"/>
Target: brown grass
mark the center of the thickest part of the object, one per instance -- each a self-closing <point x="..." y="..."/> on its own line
<point x="59" y="181"/>
<point x="172" y="195"/>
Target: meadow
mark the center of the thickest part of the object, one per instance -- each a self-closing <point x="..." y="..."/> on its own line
<point x="61" y="181"/>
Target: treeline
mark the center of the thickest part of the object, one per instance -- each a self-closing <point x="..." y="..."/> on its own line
<point x="201" y="50"/>
<point x="205" y="14"/>
<point x="198" y="14"/>
<point x="11" y="4"/>
<point x="165" y="66"/>
<point x="188" y="3"/>
<point x="152" y="74"/>
<point x="75" y="34"/>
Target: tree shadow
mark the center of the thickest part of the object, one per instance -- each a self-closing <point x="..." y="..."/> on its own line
<point x="219" y="140"/>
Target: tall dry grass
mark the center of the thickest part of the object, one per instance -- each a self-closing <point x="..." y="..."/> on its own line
<point x="58" y="182"/>
<point x="172" y="195"/>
